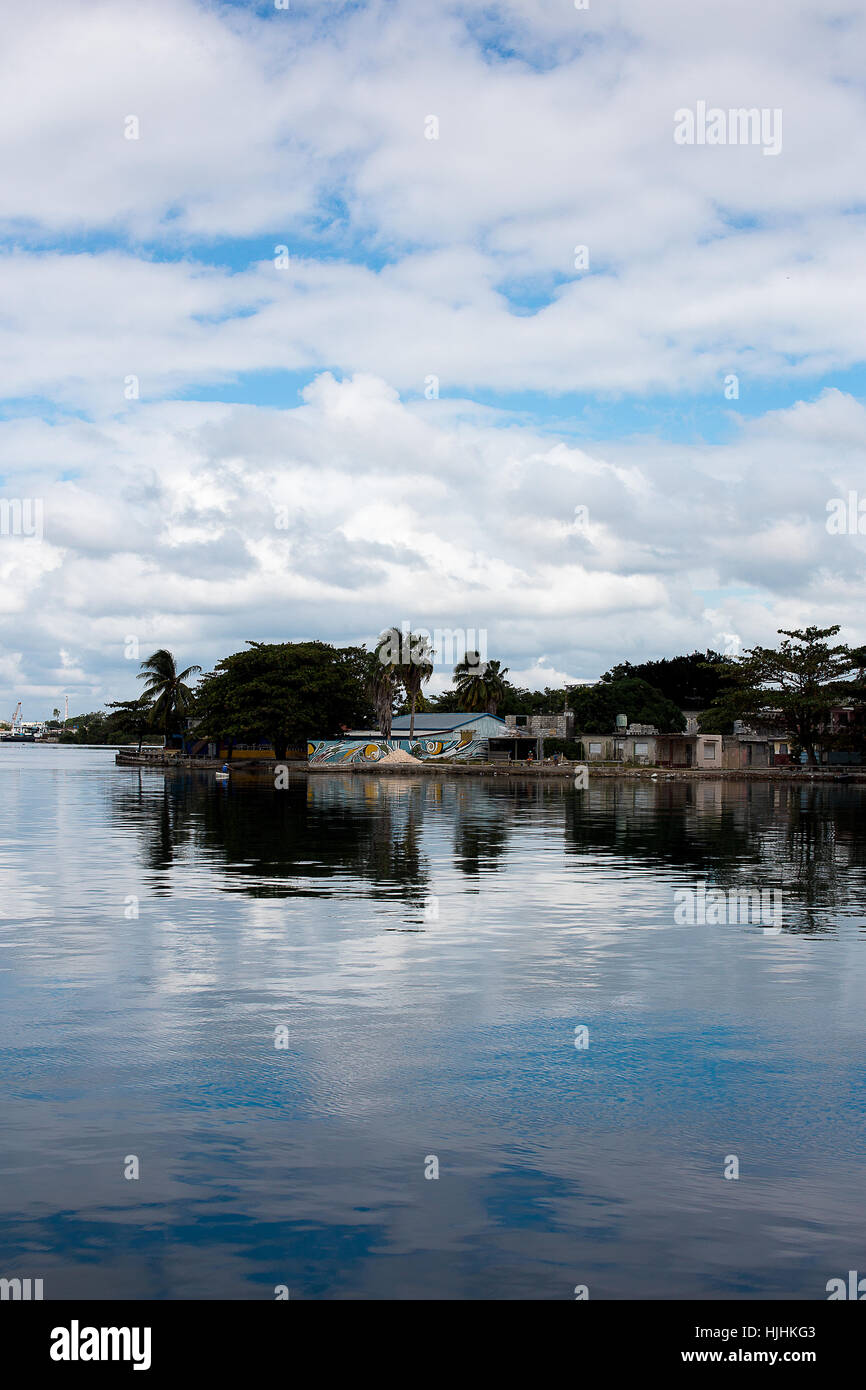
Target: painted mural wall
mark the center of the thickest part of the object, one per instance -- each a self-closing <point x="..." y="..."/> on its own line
<point x="461" y="744"/>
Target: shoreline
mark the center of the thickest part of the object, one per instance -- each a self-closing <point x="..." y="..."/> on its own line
<point x="266" y="768"/>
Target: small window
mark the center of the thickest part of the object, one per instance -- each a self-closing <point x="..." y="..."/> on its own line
<point x="709" y="750"/>
<point x="641" y="750"/>
<point x="595" y="750"/>
<point x="520" y="720"/>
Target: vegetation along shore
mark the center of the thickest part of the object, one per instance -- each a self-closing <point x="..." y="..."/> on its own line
<point x="803" y="703"/>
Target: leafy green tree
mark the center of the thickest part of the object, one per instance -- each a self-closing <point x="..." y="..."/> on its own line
<point x="718" y="719"/>
<point x="550" y="700"/>
<point x="90" y="728"/>
<point x="596" y="707"/>
<point x="699" y="677"/>
<point x="284" y="693"/>
<point x="798" y="683"/>
<point x="423" y="705"/>
<point x="131" y="717"/>
<point x="167" y="689"/>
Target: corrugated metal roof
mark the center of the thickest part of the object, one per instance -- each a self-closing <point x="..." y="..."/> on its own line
<point x="439" y="722"/>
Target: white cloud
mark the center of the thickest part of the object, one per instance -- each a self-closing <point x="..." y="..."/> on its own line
<point x="172" y="535"/>
<point x="153" y="258"/>
<point x="293" y="131"/>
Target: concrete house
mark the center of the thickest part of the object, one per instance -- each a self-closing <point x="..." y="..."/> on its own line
<point x="541" y="725"/>
<point x="651" y="749"/>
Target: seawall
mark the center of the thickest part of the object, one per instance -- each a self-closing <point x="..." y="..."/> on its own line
<point x="265" y="768"/>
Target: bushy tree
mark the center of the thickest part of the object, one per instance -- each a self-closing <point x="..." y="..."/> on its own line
<point x="285" y="693"/>
<point x="130" y="719"/>
<point x="91" y="728"/>
<point x="596" y="707"/>
<point x="697" y="679"/>
<point x="797" y="684"/>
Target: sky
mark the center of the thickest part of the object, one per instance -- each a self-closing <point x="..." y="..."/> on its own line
<point x="319" y="319"/>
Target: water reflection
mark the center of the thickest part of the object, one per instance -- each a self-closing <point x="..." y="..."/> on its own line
<point x="155" y="931"/>
<point x="806" y="841"/>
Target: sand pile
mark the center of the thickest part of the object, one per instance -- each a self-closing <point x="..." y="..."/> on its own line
<point x="398" y="755"/>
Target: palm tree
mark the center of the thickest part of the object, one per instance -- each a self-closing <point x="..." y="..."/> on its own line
<point x="479" y="685"/>
<point x="406" y="659"/>
<point x="385" y="677"/>
<point x="494" y="683"/>
<point x="166" y="687"/>
<point x="415" y="671"/>
<point x="381" y="689"/>
<point x="469" y="683"/>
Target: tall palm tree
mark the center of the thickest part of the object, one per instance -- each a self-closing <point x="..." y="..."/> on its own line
<point x="384" y="678"/>
<point x="381" y="688"/>
<point x="415" y="671"/>
<point x="166" y="687"/>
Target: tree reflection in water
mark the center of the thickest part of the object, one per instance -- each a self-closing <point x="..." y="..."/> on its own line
<point x="802" y="838"/>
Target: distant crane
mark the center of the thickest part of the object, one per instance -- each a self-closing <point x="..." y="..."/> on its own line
<point x="14" y="720"/>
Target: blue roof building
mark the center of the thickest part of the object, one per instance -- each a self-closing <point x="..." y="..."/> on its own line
<point x="438" y="736"/>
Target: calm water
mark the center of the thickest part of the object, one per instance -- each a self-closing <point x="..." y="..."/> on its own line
<point x="430" y="947"/>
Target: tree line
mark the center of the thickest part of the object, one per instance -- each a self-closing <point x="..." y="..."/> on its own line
<point x="287" y="692"/>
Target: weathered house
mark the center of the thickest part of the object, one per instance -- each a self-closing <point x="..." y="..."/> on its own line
<point x="541" y="725"/>
<point x="650" y="749"/>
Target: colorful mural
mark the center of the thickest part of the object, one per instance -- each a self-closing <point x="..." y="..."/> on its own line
<point x="345" y="750"/>
<point x="462" y="744"/>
